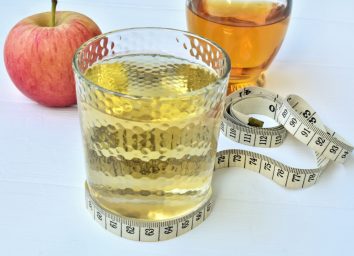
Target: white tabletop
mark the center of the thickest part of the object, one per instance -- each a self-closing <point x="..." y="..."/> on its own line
<point x="42" y="166"/>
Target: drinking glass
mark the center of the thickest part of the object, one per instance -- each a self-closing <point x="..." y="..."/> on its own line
<point x="150" y="102"/>
<point x="251" y="32"/>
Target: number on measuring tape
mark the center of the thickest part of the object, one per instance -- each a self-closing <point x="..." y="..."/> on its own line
<point x="130" y="231"/>
<point x="312" y="120"/>
<point x="276" y="141"/>
<point x="247" y="138"/>
<point x="184" y="226"/>
<point x="253" y="163"/>
<point x="222" y="126"/>
<point x="272" y="108"/>
<point x="245" y="92"/>
<point x="304" y="134"/>
<point x="221" y="161"/>
<point x="267" y="169"/>
<point x="198" y="218"/>
<point x="149" y="234"/>
<point x="237" y="160"/>
<point x="263" y="141"/>
<point x="295" y="180"/>
<point x="168" y="232"/>
<point x="292" y="125"/>
<point x="284" y="115"/>
<point x="310" y="179"/>
<point x="280" y="176"/>
<point x="306" y="113"/>
<point x="113" y="225"/>
<point x="318" y="143"/>
<point x="233" y="133"/>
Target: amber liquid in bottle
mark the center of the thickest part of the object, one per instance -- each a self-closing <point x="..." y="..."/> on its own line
<point x="250" y="32"/>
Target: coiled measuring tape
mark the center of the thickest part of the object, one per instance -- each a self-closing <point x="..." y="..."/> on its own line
<point x="294" y="116"/>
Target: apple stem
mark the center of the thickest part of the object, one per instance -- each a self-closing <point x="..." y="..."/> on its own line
<point x="54" y="7"/>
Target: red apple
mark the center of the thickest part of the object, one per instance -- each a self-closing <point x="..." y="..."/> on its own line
<point x="38" y="55"/>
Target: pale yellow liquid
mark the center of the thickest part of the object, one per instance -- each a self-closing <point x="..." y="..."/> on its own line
<point x="149" y="158"/>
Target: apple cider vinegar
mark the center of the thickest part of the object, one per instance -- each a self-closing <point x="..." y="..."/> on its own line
<point x="152" y="157"/>
<point x="250" y="31"/>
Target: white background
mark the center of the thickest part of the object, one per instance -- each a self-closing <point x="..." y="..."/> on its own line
<point x="42" y="167"/>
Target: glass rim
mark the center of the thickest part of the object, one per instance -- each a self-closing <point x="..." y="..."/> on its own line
<point x="115" y="93"/>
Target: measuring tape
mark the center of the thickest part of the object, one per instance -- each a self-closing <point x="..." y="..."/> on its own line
<point x="295" y="117"/>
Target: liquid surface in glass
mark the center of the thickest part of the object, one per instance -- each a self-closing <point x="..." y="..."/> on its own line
<point x="149" y="158"/>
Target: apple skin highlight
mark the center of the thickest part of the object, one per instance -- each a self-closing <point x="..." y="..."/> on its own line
<point x="38" y="56"/>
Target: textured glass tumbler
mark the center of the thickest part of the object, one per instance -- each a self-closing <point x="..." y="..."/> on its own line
<point x="250" y="31"/>
<point x="150" y="102"/>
